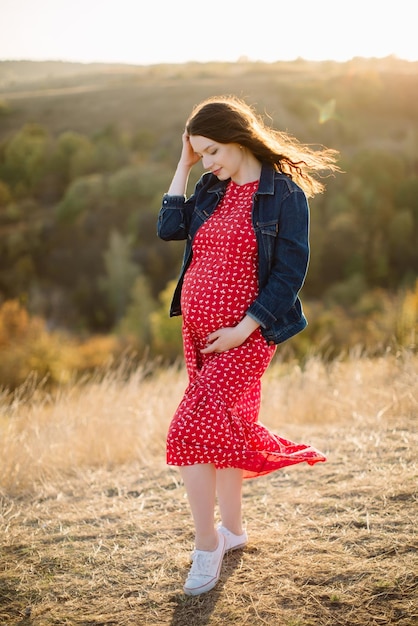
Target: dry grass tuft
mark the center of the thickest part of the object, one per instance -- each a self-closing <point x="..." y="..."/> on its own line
<point x="96" y="529"/>
<point x="113" y="420"/>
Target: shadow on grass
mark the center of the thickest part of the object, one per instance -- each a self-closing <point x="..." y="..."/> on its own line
<point x="197" y="610"/>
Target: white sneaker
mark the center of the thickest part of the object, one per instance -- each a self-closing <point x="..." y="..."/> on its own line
<point x="233" y="542"/>
<point x="205" y="570"/>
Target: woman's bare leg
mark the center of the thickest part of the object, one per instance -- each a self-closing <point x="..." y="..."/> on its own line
<point x="229" y="492"/>
<point x="200" y="483"/>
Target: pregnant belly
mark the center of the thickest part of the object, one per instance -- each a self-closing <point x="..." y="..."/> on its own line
<point x="215" y="299"/>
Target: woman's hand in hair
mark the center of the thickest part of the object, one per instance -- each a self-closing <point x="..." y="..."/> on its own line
<point x="188" y="156"/>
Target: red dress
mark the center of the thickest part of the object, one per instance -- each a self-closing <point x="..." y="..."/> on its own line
<point x="217" y="419"/>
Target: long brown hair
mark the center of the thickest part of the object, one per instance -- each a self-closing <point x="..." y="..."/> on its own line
<point x="227" y="119"/>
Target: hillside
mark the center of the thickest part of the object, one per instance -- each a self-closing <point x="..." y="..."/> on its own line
<point x="86" y="152"/>
<point x="87" y="97"/>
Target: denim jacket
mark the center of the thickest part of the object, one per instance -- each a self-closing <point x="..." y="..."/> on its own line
<point x="280" y="217"/>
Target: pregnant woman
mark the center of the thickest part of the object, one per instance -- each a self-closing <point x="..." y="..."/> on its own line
<point x="246" y="227"/>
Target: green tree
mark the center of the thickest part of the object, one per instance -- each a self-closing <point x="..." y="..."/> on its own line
<point x="5" y="194"/>
<point x="26" y="159"/>
<point x="166" y="331"/>
<point x="403" y="241"/>
<point x="74" y="155"/>
<point x="121" y="274"/>
<point x="136" y="321"/>
<point x="110" y="149"/>
<point x="84" y="194"/>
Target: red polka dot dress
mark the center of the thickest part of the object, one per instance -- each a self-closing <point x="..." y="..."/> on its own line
<point x="217" y="419"/>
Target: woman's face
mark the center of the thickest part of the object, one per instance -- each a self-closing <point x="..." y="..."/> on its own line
<point x="222" y="159"/>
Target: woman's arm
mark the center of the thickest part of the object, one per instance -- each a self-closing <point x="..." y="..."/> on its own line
<point x="188" y="158"/>
<point x="172" y="219"/>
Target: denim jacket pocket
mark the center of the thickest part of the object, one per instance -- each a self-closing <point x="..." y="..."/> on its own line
<point x="269" y="231"/>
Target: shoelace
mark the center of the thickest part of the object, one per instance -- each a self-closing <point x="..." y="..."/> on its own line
<point x="202" y="562"/>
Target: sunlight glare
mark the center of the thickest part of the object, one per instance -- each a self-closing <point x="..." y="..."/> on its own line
<point x="127" y="32"/>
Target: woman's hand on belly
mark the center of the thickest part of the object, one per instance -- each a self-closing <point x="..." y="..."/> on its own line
<point x="227" y="338"/>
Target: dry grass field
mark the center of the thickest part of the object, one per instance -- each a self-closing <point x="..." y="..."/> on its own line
<point x="96" y="531"/>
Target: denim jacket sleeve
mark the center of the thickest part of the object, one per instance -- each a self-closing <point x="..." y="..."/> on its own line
<point x="283" y="258"/>
<point x="176" y="213"/>
<point x="173" y="218"/>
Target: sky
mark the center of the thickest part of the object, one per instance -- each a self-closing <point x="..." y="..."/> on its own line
<point x="147" y="32"/>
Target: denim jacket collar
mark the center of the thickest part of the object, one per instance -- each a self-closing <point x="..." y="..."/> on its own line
<point x="265" y="186"/>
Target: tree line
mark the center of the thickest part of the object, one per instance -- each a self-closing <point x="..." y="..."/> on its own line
<point x="78" y="210"/>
